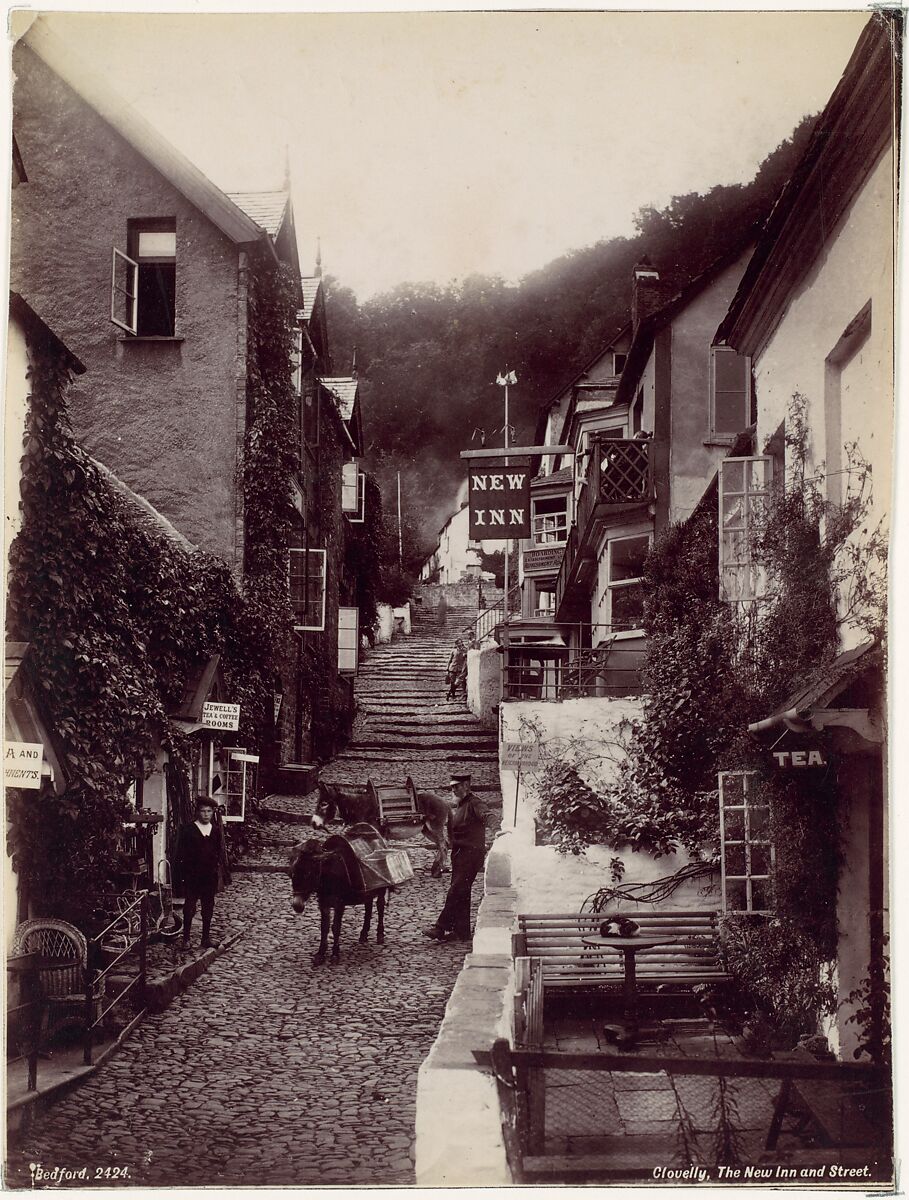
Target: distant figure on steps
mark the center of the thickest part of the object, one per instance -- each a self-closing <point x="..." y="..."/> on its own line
<point x="456" y="672"/>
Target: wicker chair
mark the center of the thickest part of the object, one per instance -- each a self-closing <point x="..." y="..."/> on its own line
<point x="63" y="986"/>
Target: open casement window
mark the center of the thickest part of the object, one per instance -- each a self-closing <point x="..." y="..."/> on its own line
<point x="310" y="408"/>
<point x="620" y="573"/>
<point x="152" y="250"/>
<point x="746" y="859"/>
<point x="550" y="521"/>
<point x="348" y="640"/>
<point x="306" y="573"/>
<point x="236" y="771"/>
<point x="296" y="361"/>
<point x="353" y="493"/>
<point x="730" y="392"/>
<point x="744" y="497"/>
<point x="124" y="273"/>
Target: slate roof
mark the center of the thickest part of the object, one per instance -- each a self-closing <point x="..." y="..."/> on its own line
<point x="267" y="209"/>
<point x="563" y="475"/>
<point x="310" y="285"/>
<point x="344" y="391"/>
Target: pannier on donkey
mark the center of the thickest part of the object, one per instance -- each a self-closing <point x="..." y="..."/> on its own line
<point x="347" y="869"/>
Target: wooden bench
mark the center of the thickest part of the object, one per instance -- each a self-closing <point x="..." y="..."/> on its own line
<point x="690" y="954"/>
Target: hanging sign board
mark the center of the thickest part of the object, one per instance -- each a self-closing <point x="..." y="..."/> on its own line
<point x="278" y="697"/>
<point x="220" y="716"/>
<point x="520" y="755"/>
<point x="22" y="764"/>
<point x="499" y="498"/>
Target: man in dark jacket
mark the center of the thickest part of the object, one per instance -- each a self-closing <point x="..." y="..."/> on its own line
<point x="199" y="853"/>
<point x="467" y="832"/>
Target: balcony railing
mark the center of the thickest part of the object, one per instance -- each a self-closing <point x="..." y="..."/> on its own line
<point x="619" y="477"/>
<point x="545" y="672"/>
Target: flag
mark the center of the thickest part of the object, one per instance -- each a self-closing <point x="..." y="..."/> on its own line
<point x="510" y="377"/>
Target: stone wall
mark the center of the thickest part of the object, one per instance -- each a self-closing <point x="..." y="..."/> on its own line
<point x="457" y="595"/>
<point x="162" y="414"/>
<point x="544" y="880"/>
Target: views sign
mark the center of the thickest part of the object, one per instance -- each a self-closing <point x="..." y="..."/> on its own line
<point x="499" y="500"/>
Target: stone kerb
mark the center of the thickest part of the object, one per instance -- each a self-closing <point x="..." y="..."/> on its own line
<point x="459" y="1140"/>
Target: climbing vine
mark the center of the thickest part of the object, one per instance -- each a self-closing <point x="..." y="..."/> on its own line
<point x="711" y="669"/>
<point x="117" y="614"/>
<point x="110" y="646"/>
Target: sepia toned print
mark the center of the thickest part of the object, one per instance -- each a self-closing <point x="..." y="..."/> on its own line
<point x="447" y="503"/>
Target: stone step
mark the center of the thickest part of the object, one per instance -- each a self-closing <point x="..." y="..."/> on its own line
<point x="418" y="743"/>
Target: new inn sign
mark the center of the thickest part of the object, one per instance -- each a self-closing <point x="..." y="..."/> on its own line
<point x="499" y="500"/>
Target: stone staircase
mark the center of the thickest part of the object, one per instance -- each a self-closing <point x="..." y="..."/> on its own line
<point x="404" y="724"/>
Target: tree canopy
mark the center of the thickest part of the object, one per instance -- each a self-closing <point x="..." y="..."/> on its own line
<point x="428" y="354"/>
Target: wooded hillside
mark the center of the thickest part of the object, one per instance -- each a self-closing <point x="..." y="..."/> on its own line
<point x="428" y="354"/>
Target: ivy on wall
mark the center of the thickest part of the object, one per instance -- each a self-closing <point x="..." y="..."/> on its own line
<point x="116" y="615"/>
<point x="711" y="670"/>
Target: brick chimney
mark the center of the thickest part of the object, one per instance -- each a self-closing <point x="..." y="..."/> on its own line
<point x="648" y="293"/>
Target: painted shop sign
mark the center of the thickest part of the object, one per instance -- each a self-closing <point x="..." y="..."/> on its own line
<point x="22" y="764"/>
<point x="499" y="500"/>
<point x="522" y="756"/>
<point x="549" y="558"/>
<point x="220" y="716"/>
<point x="800" y="758"/>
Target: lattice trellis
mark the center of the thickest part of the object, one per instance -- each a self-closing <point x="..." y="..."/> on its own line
<point x="624" y="469"/>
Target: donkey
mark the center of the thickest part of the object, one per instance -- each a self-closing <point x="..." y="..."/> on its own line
<point x="351" y="806"/>
<point x="316" y="871"/>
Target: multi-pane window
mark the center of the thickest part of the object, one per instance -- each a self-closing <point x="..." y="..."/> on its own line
<point x="746" y="849"/>
<point x="311" y="414"/>
<point x="550" y="521"/>
<point x="621" y="571"/>
<point x="296" y="360"/>
<point x="348" y="640"/>
<point x="353" y="492"/>
<point x="545" y="603"/>
<point x="237" y="771"/>
<point x="306" y="574"/>
<point x="730" y="391"/>
<point x="744" y="497"/>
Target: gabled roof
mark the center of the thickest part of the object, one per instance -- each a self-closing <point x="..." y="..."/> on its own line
<point x="310" y="285"/>
<point x="344" y="391"/>
<point x="543" y="410"/>
<point x="176" y="168"/>
<point x="145" y="512"/>
<point x="267" y="209"/>
<point x="639" y="351"/>
<point x="34" y="326"/>
<point x="847" y="139"/>
<point x="203" y="683"/>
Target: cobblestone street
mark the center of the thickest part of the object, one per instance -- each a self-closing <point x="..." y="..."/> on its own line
<point x="268" y="1070"/>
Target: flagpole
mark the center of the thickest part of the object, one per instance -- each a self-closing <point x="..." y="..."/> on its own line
<point x="507" y="540"/>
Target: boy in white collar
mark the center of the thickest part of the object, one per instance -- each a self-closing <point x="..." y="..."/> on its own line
<point x="196" y="868"/>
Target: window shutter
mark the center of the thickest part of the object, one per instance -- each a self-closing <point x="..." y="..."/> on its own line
<point x="744" y="496"/>
<point x="360" y="516"/>
<point x="348" y="640"/>
<point x="306" y="579"/>
<point x="124" y="290"/>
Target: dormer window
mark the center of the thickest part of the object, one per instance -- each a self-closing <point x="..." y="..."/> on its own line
<point x="618" y="362"/>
